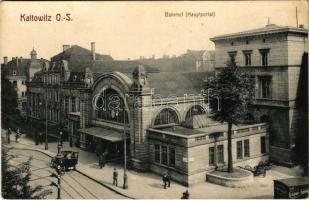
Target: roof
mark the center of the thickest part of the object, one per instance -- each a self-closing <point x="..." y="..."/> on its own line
<point x="294" y="181"/>
<point x="78" y="57"/>
<point x="218" y="128"/>
<point x="106" y="134"/>
<point x="177" y="83"/>
<point x="268" y="29"/>
<point x="22" y="65"/>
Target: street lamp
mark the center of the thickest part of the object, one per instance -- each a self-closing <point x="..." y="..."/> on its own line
<point x="46" y="140"/>
<point x="60" y="142"/>
<point x="125" y="176"/>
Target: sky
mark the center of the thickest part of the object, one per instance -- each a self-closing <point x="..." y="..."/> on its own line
<point x="133" y="29"/>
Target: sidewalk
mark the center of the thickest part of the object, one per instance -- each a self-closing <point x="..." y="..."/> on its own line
<point x="149" y="185"/>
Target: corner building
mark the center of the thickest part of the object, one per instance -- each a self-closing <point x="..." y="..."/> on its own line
<point x="276" y="57"/>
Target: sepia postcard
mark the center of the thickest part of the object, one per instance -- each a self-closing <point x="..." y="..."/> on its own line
<point x="154" y="99"/>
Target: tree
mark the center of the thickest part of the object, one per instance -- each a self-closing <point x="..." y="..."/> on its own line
<point x="15" y="180"/>
<point x="233" y="90"/>
<point x="8" y="101"/>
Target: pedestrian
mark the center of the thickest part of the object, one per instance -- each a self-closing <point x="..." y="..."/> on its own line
<point x="36" y="137"/>
<point x="164" y="179"/>
<point x="101" y="161"/>
<point x="17" y="135"/>
<point x="104" y="158"/>
<point x="40" y="138"/>
<point x="185" y="195"/>
<point x="115" y="177"/>
<point x="8" y="135"/>
<point x="168" y="177"/>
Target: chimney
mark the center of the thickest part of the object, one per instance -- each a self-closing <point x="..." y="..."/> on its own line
<point x="93" y="50"/>
<point x="5" y="60"/>
<point x="301" y="26"/>
<point x="66" y="47"/>
<point x="21" y="59"/>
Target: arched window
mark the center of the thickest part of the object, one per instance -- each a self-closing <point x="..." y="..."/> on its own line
<point x="166" y="116"/>
<point x="195" y="110"/>
<point x="109" y="105"/>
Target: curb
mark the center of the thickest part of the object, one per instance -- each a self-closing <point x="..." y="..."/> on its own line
<point x="99" y="182"/>
<point x="105" y="185"/>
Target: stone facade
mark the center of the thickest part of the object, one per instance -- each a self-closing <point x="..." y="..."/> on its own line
<point x="273" y="55"/>
<point x="192" y="161"/>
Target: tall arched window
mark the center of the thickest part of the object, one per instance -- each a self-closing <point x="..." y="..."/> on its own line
<point x="195" y="110"/>
<point x="166" y="116"/>
<point x="110" y="106"/>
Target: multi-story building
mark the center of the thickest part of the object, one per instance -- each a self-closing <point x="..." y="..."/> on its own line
<point x="160" y="116"/>
<point x="276" y="57"/>
<point x="18" y="71"/>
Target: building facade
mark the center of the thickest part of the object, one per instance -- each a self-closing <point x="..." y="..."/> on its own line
<point x="275" y="56"/>
<point x="20" y="70"/>
<point x="162" y="117"/>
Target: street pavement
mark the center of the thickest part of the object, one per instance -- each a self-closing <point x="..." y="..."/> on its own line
<point x="73" y="184"/>
<point x="149" y="185"/>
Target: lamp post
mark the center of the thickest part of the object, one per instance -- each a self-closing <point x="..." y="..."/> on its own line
<point x="60" y="142"/>
<point x="125" y="176"/>
<point x="46" y="136"/>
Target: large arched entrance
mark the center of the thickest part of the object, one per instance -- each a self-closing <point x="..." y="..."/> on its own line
<point x="109" y="118"/>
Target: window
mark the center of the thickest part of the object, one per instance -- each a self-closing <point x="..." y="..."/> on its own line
<point x="157" y="153"/>
<point x="265" y="87"/>
<point x="15" y="83"/>
<point x="263" y="144"/>
<point x="23" y="82"/>
<point x="247" y="148"/>
<point x="166" y="116"/>
<point x="232" y="55"/>
<point x="172" y="154"/>
<point x="164" y="155"/>
<point x="239" y="149"/>
<point x="220" y="154"/>
<point x="14" y="72"/>
<point x="264" y="56"/>
<point x="22" y="94"/>
<point x="66" y="104"/>
<point x="247" y="55"/>
<point x="211" y="156"/>
<point x="73" y="104"/>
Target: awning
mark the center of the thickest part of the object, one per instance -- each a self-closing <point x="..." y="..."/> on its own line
<point x="106" y="134"/>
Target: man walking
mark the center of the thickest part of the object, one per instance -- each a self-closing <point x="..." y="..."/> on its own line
<point x="164" y="179"/>
<point x="8" y="135"/>
<point x="168" y="177"/>
<point x="115" y="177"/>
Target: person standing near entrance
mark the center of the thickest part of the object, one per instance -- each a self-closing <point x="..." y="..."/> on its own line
<point x="8" y="135"/>
<point x="115" y="177"/>
<point x="17" y="135"/>
<point x="101" y="161"/>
